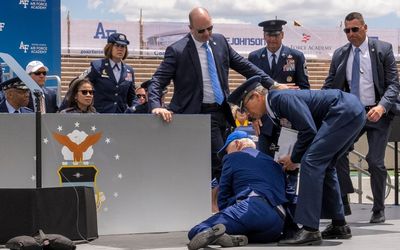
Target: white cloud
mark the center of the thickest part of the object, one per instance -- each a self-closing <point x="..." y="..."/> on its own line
<point x="308" y="12"/>
<point x="93" y="4"/>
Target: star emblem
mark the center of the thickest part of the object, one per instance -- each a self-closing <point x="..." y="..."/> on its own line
<point x="93" y="128"/>
<point x="59" y="128"/>
<point x="78" y="175"/>
<point x="115" y="194"/>
<point x="119" y="176"/>
<point x="33" y="178"/>
<point x="116" y="156"/>
<point x="77" y="124"/>
<point x="45" y="140"/>
<point x="108" y="140"/>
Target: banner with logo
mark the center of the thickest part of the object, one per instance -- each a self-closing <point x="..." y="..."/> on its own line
<point x="88" y="37"/>
<point x="30" y="30"/>
<point x="151" y="38"/>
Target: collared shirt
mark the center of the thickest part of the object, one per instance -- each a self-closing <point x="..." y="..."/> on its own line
<point x="367" y="90"/>
<point x="208" y="93"/>
<point x="270" y="57"/>
<point x="116" y="69"/>
<point x="11" y="109"/>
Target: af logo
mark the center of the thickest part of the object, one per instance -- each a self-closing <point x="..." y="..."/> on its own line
<point x="24" y="47"/>
<point x="77" y="151"/>
<point x="2" y="25"/>
<point x="24" y="3"/>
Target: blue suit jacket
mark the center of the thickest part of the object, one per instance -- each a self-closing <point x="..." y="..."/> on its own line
<point x="308" y="109"/>
<point x="112" y="95"/>
<point x="291" y="68"/>
<point x="384" y="71"/>
<point x="182" y="65"/>
<point x="4" y="109"/>
<point x="250" y="170"/>
<point x="50" y="95"/>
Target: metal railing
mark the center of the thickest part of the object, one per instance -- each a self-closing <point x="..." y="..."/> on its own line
<point x="361" y="171"/>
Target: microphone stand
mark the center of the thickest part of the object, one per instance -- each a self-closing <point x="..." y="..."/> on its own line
<point x="38" y="139"/>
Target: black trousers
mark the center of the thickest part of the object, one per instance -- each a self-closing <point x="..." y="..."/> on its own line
<point x="219" y="128"/>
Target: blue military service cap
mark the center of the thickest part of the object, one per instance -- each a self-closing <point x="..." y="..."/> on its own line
<point x="272" y="27"/>
<point x="14" y="83"/>
<point x="237" y="96"/>
<point x="118" y="38"/>
<point x="236" y="135"/>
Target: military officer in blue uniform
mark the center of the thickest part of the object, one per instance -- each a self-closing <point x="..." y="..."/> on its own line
<point x="327" y="122"/>
<point x="251" y="194"/>
<point x="16" y="95"/>
<point x="113" y="80"/>
<point x="284" y="65"/>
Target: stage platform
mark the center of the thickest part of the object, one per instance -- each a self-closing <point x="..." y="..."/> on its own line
<point x="366" y="236"/>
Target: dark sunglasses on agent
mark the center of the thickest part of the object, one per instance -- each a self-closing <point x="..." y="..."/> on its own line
<point x="352" y="29"/>
<point x="209" y="29"/>
<point x="40" y="72"/>
<point x="86" y="92"/>
<point x="141" y="96"/>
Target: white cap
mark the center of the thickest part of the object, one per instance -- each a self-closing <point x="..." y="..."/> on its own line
<point x="34" y="66"/>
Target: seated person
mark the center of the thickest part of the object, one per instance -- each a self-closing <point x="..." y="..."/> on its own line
<point x="38" y="71"/>
<point x="16" y="95"/>
<point x="79" y="98"/>
<point x="242" y="122"/>
<point x="140" y="105"/>
<point x="251" y="194"/>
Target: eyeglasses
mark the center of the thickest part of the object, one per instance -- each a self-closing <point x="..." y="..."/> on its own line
<point x="119" y="45"/>
<point x="352" y="29"/>
<point x="141" y="96"/>
<point x="86" y="92"/>
<point x="209" y="29"/>
<point x="40" y="72"/>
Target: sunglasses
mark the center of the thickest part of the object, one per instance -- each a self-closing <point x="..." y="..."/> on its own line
<point x="40" y="72"/>
<point x="352" y="29"/>
<point x="119" y="45"/>
<point x="209" y="29"/>
<point x="85" y="92"/>
<point x="141" y="96"/>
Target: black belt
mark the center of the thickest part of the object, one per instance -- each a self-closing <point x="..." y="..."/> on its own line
<point x="210" y="107"/>
<point x="367" y="108"/>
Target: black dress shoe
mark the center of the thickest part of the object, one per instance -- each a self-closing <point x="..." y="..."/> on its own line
<point x="206" y="237"/>
<point x="336" y="232"/>
<point x="303" y="238"/>
<point x="378" y="217"/>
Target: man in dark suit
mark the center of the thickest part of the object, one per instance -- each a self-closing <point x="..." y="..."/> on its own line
<point x="199" y="65"/>
<point x="366" y="67"/>
<point x="327" y="123"/>
<point x="16" y="95"/>
<point x="250" y="179"/>
<point x="284" y="65"/>
<point x="38" y="71"/>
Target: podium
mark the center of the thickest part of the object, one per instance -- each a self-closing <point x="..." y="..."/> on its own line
<point x="69" y="211"/>
<point x="395" y="137"/>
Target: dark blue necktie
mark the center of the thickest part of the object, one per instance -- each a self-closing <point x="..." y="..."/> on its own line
<point x="212" y="70"/>
<point x="355" y="74"/>
<point x="273" y="64"/>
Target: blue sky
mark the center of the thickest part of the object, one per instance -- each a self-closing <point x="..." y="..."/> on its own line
<point x="310" y="13"/>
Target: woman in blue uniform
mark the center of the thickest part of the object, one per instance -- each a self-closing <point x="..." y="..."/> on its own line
<point x="112" y="79"/>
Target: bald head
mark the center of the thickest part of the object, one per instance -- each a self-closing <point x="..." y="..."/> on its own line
<point x="200" y="24"/>
<point x="198" y="13"/>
